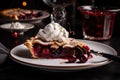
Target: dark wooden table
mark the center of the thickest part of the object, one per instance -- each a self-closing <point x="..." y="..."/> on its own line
<point x="11" y="70"/>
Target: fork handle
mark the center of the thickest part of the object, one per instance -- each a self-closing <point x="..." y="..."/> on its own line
<point x="111" y="57"/>
<point x="106" y="55"/>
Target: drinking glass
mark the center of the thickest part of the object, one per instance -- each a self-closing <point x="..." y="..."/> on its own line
<point x="97" y="22"/>
<point x="58" y="14"/>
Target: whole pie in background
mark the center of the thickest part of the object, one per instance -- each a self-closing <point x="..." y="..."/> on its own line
<point x="20" y="14"/>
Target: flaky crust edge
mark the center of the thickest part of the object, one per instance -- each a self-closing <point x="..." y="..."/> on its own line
<point x="29" y="45"/>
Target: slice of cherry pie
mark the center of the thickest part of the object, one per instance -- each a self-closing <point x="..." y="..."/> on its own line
<point x="71" y="49"/>
<point x="53" y="42"/>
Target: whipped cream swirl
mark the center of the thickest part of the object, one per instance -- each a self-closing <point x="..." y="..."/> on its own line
<point x="53" y="32"/>
<point x="17" y="25"/>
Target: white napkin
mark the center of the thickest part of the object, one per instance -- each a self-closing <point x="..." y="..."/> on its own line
<point x="3" y="53"/>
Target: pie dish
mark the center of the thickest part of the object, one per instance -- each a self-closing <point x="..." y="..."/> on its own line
<point x="18" y="14"/>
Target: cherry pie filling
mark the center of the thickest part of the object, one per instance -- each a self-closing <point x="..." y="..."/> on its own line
<point x="19" y="14"/>
<point x="72" y="54"/>
<point x="30" y="15"/>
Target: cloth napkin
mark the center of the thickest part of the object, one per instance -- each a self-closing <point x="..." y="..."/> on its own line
<point x="4" y="51"/>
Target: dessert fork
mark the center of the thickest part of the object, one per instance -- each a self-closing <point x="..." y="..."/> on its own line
<point x="106" y="55"/>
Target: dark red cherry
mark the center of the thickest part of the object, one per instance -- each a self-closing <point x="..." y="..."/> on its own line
<point x="45" y="51"/>
<point x="83" y="59"/>
<point x="15" y="34"/>
<point x="71" y="59"/>
<point x="86" y="47"/>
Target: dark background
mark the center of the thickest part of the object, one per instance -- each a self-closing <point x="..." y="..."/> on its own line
<point x="39" y="3"/>
<point x="72" y="11"/>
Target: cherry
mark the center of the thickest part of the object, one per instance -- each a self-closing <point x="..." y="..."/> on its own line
<point x="15" y="34"/>
<point x="71" y="59"/>
<point x="46" y="51"/>
<point x="83" y="59"/>
<point x="86" y="47"/>
<point x="90" y="56"/>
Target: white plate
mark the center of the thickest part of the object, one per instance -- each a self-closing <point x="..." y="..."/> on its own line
<point x="8" y="28"/>
<point x="21" y="55"/>
<point x="43" y="16"/>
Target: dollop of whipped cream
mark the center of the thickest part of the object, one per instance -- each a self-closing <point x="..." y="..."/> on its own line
<point x="17" y="25"/>
<point x="53" y="32"/>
